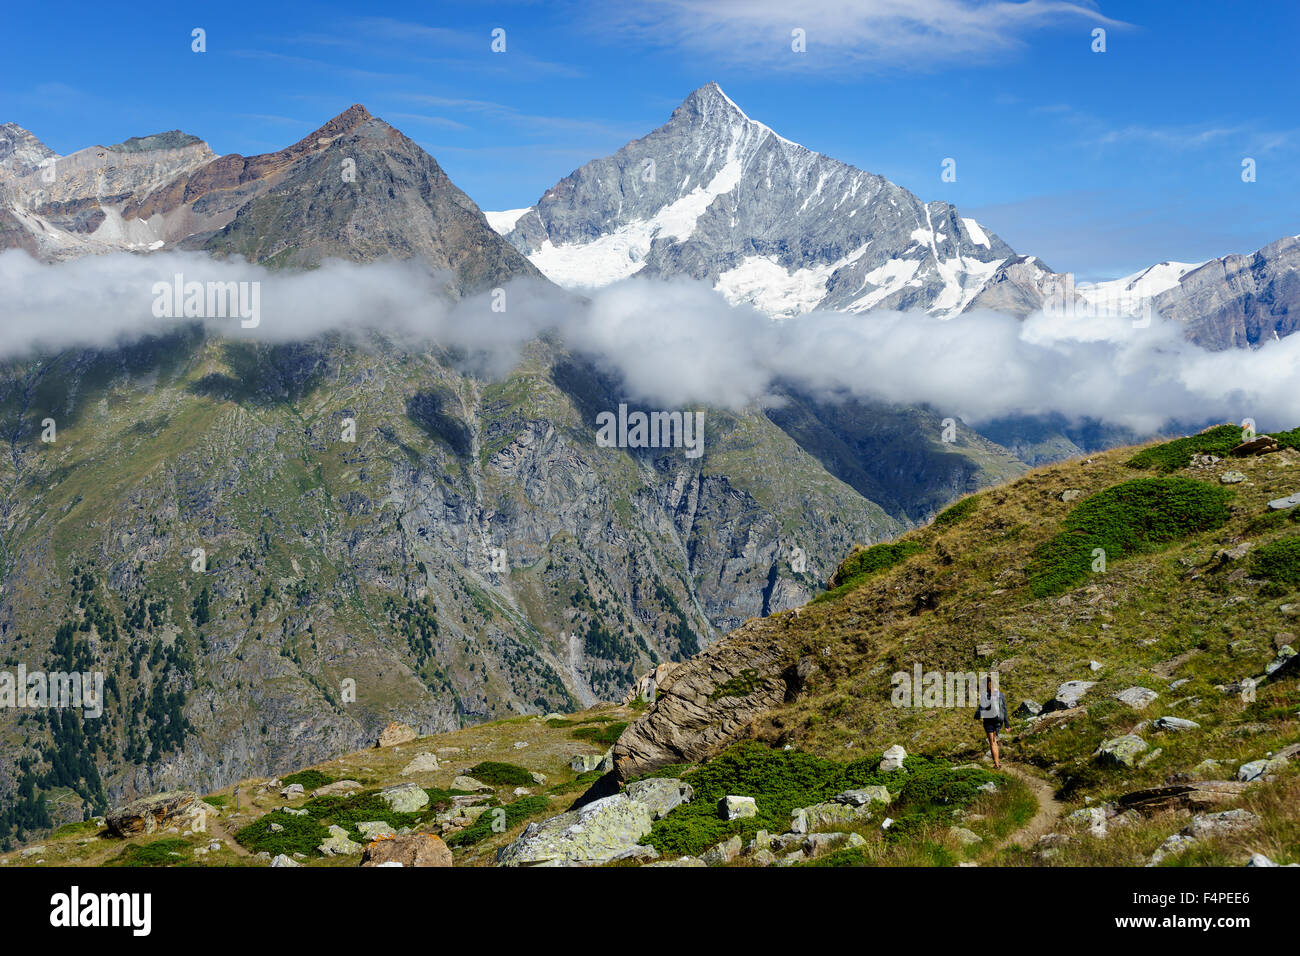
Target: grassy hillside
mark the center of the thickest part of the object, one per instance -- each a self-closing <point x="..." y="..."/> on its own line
<point x="1200" y="588"/>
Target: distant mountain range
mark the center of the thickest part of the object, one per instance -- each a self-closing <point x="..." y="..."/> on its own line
<point x="717" y="196"/>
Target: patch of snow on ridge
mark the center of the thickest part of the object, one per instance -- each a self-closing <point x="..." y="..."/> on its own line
<point x="504" y="220"/>
<point x="977" y="234"/>
<point x="621" y="253"/>
<point x="1148" y="283"/>
<point x="771" y="288"/>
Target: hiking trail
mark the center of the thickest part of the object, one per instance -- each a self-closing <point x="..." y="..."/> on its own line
<point x="1049" y="808"/>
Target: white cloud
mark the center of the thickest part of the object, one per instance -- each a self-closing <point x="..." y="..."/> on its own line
<point x="678" y="343"/>
<point x="864" y="33"/>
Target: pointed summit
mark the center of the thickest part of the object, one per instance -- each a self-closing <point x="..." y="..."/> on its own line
<point x="708" y="106"/>
<point x="345" y="122"/>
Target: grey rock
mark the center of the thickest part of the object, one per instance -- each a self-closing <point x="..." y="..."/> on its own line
<point x="733" y="807"/>
<point x="1137" y="697"/>
<point x="1175" y="723"/>
<point x="893" y="758"/>
<point x="661" y="795"/>
<point x="405" y="798"/>
<point x="723" y="853"/>
<point x="281" y="860"/>
<point x="595" y="833"/>
<point x="863" y="796"/>
<point x="1069" y="695"/>
<point x="338" y="843"/>
<point x="1122" y="750"/>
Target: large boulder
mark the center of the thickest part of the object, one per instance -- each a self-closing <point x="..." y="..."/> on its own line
<point x="1175" y="723"/>
<point x="706" y="703"/>
<point x="411" y="849"/>
<point x="405" y="798"/>
<point x="335" y="788"/>
<point x="1069" y="695"/>
<point x="148" y="814"/>
<point x="1122" y="751"/>
<point x="1137" y="697"/>
<point x="660" y="794"/>
<point x="603" y="830"/>
<point x="828" y="816"/>
<point x="733" y="807"/>
<point x="863" y="796"/>
<point x="338" y="843"/>
<point x="472" y="785"/>
<point x="423" y="763"/>
<point x="893" y="758"/>
<point x="396" y="733"/>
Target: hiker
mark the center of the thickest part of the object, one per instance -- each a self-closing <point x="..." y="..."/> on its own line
<point x="993" y="711"/>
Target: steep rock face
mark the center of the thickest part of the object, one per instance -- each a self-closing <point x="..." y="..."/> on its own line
<point x="715" y="195"/>
<point x="705" y="705"/>
<point x="1239" y="301"/>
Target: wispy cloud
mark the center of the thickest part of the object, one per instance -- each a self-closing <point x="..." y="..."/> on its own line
<point x="864" y="34"/>
<point x="678" y="342"/>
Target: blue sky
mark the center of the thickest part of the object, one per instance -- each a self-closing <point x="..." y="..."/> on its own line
<point x="1100" y="163"/>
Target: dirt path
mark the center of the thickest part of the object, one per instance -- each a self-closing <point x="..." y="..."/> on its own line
<point x="218" y="831"/>
<point x="1049" y="808"/>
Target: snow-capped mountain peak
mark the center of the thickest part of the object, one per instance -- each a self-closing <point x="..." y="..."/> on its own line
<point x="719" y="196"/>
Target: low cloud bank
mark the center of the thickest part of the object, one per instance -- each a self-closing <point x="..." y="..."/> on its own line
<point x="677" y="343"/>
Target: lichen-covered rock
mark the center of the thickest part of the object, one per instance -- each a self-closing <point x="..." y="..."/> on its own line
<point x="338" y="843"/>
<point x="733" y="807"/>
<point x="1137" y="697"/>
<point x="863" y="796"/>
<point x="149" y="814"/>
<point x="595" y="833"/>
<point x="405" y="798"/>
<point x="1121" y="750"/>
<point x="893" y="758"/>
<point x="660" y="794"/>
<point x="828" y="816"/>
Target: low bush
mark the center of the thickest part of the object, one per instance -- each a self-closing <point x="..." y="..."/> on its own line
<point x="1278" y="561"/>
<point x="602" y="734"/>
<point x="781" y="781"/>
<point x="501" y="774"/>
<point x="169" y="851"/>
<point x="863" y="564"/>
<point x="1134" y="517"/>
<point x="1176" y="454"/>
<point x="310" y="779"/>
<point x="505" y="817"/>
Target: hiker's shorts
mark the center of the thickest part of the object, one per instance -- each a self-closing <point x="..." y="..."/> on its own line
<point x="992" y="725"/>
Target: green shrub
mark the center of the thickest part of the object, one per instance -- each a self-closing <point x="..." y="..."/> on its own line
<point x="299" y="834"/>
<point x="1278" y="561"/>
<point x="1134" y="517"/>
<point x="515" y="813"/>
<point x="954" y="513"/>
<point x="861" y="565"/>
<point x="501" y="774"/>
<point x="158" y="853"/>
<point x="603" y="734"/>
<point x="1173" y="455"/>
<point x="781" y="781"/>
<point x="310" y="779"/>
